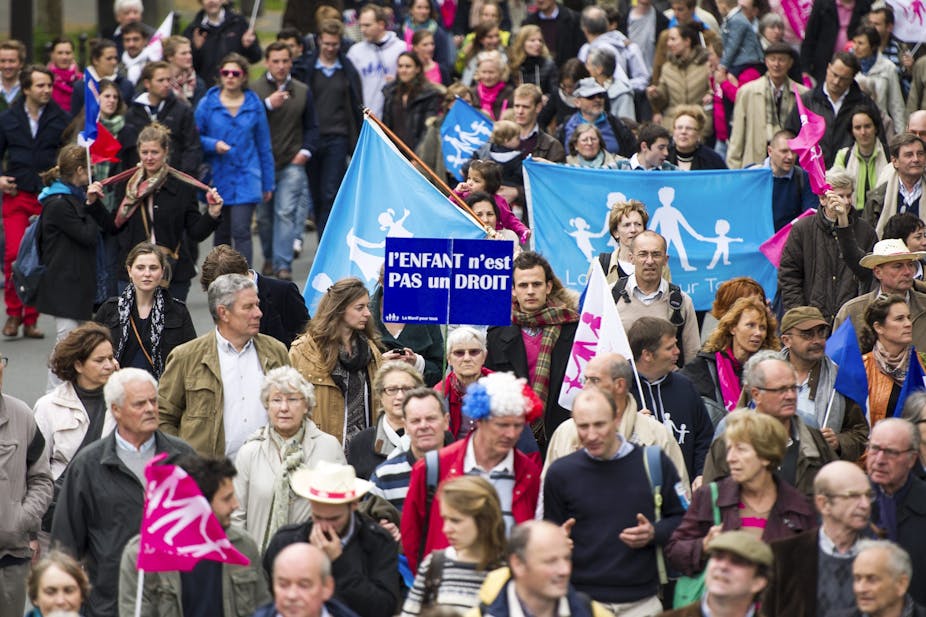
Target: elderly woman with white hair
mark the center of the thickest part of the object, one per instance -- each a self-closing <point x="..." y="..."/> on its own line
<point x="466" y="356"/>
<point x="269" y="457"/>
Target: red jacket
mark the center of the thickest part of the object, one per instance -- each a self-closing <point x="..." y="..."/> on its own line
<point x="523" y="502"/>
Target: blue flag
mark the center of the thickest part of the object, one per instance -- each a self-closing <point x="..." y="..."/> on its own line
<point x="91" y="109"/>
<point x="713" y="221"/>
<point x="914" y="382"/>
<point x="463" y="131"/>
<point x="381" y="195"/>
<point x="851" y="379"/>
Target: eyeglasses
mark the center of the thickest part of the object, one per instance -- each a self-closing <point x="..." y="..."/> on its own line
<point x="869" y="495"/>
<point x="393" y="390"/>
<point x="459" y="353"/>
<point x="809" y="335"/>
<point x="231" y="73"/>
<point x="874" y="449"/>
<point x="793" y="388"/>
<point x="591" y="380"/>
<point x="644" y="255"/>
<point x="291" y="401"/>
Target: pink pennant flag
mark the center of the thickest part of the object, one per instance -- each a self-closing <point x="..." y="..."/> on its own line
<point x="774" y="246"/>
<point x="807" y="146"/>
<point x="178" y="528"/>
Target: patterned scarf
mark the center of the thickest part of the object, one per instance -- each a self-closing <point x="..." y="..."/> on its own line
<point x="139" y="188"/>
<point x="549" y="319"/>
<point x="730" y="386"/>
<point x="183" y="83"/>
<point x="894" y="366"/>
<point x="350" y="375"/>
<point x="774" y="117"/>
<point x="292" y="457"/>
<point x="126" y="303"/>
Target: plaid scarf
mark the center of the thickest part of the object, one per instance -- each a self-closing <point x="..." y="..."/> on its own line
<point x="549" y="319"/>
<point x="139" y="188"/>
<point x="183" y="83"/>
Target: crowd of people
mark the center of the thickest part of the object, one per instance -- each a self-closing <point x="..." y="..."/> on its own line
<point x="370" y="468"/>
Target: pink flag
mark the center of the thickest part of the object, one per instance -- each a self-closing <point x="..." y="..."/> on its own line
<point x="178" y="528"/>
<point x="807" y="146"/>
<point x="774" y="246"/>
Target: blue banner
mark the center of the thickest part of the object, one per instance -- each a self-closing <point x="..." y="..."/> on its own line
<point x="463" y="131"/>
<point x="381" y="195"/>
<point x="713" y="221"/>
<point x="448" y="281"/>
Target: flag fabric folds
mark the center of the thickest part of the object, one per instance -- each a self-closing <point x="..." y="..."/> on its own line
<point x="713" y="221"/>
<point x="807" y="146"/>
<point x="463" y="131"/>
<point x="913" y="382"/>
<point x="178" y="527"/>
<point x="105" y="147"/>
<point x="381" y="195"/>
<point x="775" y="246"/>
<point x="91" y="110"/>
<point x="909" y="20"/>
<point x="600" y="331"/>
<point x="851" y="379"/>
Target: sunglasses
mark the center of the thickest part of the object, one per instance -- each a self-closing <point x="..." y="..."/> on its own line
<point x="459" y="353"/>
<point x="231" y="73"/>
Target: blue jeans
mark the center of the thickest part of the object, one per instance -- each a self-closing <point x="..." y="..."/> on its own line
<point x="235" y="229"/>
<point x="281" y="221"/>
<point x="327" y="169"/>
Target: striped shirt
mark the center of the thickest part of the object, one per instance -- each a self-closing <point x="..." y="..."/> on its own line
<point x="391" y="478"/>
<point x="458" y="588"/>
<point x="501" y="477"/>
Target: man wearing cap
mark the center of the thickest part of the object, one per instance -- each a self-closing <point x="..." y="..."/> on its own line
<point x="364" y="556"/>
<point x="737" y="571"/>
<point x="893" y="265"/>
<point x="652" y="150"/>
<point x="903" y="190"/>
<point x="501" y="405"/>
<point x="590" y="99"/>
<point x="803" y="335"/>
<point x="812" y="576"/>
<point x="882" y="575"/>
<point x="761" y="108"/>
<point x="606" y="490"/>
<point x="820" y="260"/>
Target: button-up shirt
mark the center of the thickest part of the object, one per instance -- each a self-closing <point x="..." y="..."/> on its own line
<point x="242" y="410"/>
<point x="501" y="477"/>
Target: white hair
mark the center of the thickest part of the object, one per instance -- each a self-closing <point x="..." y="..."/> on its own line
<point x="121" y="5"/>
<point x="463" y="335"/>
<point x="114" y="390"/>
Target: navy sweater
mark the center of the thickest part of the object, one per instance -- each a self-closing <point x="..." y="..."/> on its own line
<point x="604" y="497"/>
<point x="675" y="402"/>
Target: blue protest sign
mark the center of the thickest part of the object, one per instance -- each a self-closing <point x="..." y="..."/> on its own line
<point x="713" y="221"/>
<point x="438" y="280"/>
<point x="463" y="131"/>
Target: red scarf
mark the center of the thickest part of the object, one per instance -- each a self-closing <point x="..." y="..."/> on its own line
<point x="487" y="97"/>
<point x="63" y="85"/>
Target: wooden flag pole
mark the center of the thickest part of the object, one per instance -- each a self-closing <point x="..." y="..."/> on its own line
<point x="433" y="177"/>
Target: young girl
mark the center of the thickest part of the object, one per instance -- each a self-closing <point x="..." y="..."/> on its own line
<point x="475" y="529"/>
<point x="486" y="176"/>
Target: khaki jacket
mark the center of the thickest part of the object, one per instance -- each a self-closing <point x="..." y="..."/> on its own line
<point x="190" y="393"/>
<point x="683" y="82"/>
<point x="329" y="400"/>
<point x="751" y="133"/>
<point x="244" y="589"/>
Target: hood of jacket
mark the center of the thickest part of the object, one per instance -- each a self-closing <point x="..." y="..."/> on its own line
<point x="59" y="187"/>
<point x="698" y="56"/>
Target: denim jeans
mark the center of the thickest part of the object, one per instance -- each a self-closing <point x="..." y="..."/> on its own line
<point x="281" y="221"/>
<point x="327" y="169"/>
<point x="235" y="229"/>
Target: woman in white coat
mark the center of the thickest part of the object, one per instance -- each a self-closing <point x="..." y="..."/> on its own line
<point x="270" y="456"/>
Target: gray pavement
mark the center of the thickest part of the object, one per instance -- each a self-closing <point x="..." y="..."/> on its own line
<point x="26" y="375"/>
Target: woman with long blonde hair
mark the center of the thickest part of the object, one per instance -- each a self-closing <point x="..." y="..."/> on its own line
<point x="339" y="354"/>
<point x="531" y="61"/>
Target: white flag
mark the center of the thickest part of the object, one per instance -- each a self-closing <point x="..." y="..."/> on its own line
<point x="600" y="331"/>
<point x="154" y="50"/>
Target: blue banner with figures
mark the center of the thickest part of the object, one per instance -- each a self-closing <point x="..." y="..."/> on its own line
<point x="713" y="221"/>
<point x="442" y="281"/>
<point x="463" y="131"/>
<point x="381" y="195"/>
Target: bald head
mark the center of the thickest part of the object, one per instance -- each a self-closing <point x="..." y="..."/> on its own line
<point x="916" y="123"/>
<point x="302" y="581"/>
<point x="835" y="477"/>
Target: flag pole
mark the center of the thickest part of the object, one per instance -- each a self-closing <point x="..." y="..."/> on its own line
<point x="254" y="11"/>
<point x="138" y="592"/>
<point x="829" y="407"/>
<point x="433" y="177"/>
<point x="89" y="167"/>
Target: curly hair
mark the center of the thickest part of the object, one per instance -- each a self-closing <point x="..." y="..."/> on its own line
<point x="722" y="337"/>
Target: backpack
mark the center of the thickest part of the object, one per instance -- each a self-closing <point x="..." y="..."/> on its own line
<point x="28" y="269"/>
<point x="619" y="292"/>
<point x="432" y="478"/>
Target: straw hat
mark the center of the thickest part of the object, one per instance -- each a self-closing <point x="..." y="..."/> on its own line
<point x="329" y="483"/>
<point x="887" y="251"/>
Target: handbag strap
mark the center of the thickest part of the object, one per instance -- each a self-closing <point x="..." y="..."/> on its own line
<point x="714" y="507"/>
<point x="140" y="343"/>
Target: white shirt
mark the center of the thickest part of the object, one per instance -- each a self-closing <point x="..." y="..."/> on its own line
<point x="34" y="123"/>
<point x="646" y="298"/>
<point x="837" y="104"/>
<point x="242" y="411"/>
<point x="501" y="477"/>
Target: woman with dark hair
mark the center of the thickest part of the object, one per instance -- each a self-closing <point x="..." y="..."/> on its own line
<point x="104" y="62"/>
<point x="911" y="229"/>
<point x="486" y="37"/>
<point x="562" y="103"/>
<point x="889" y="334"/>
<point x="717" y="371"/>
<point x="145" y="321"/>
<point x="339" y="354"/>
<point x="410" y="100"/>
<point x="233" y="128"/>
<point x="865" y="158"/>
<point x="423" y="46"/>
<point x="684" y="79"/>
<point x="687" y="152"/>
<point x="586" y="149"/>
<point x="487" y="211"/>
<point x="883" y="84"/>
<point x="65" y="70"/>
<point x="475" y="529"/>
<point x="422" y="17"/>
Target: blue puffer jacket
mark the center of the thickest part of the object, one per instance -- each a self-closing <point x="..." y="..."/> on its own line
<point x="245" y="171"/>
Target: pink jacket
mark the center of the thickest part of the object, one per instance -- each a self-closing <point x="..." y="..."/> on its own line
<point x="506" y="218"/>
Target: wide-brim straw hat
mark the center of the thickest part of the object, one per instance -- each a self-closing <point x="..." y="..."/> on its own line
<point x="887" y="251"/>
<point x="329" y="483"/>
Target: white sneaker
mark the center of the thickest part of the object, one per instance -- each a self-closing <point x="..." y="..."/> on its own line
<point x="297" y="248"/>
